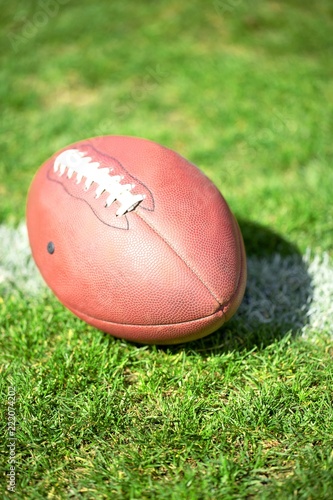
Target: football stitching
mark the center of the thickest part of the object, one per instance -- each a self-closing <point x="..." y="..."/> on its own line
<point x="148" y="204"/>
<point x="112" y="158"/>
<point x="74" y="161"/>
<point x="90" y="206"/>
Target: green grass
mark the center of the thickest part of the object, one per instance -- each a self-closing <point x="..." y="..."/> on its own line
<point x="244" y="90"/>
<point x="219" y="418"/>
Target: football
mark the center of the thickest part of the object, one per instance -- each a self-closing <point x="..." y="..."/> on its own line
<point x="136" y="240"/>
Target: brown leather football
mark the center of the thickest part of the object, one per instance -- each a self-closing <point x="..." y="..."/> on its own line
<point x="136" y="241"/>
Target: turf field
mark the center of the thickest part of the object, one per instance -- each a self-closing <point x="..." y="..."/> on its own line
<point x="244" y="90"/>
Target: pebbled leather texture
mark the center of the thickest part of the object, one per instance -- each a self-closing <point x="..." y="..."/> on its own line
<point x="171" y="270"/>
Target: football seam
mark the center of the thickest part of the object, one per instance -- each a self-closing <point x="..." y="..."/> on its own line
<point x="191" y="268"/>
<point x="221" y="309"/>
<point x="148" y="325"/>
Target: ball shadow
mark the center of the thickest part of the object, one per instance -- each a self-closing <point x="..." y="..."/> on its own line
<point x="276" y="301"/>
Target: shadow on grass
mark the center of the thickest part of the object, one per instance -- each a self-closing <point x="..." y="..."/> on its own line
<point x="276" y="301"/>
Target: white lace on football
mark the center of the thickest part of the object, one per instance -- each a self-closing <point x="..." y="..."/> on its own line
<point x="74" y="161"/>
